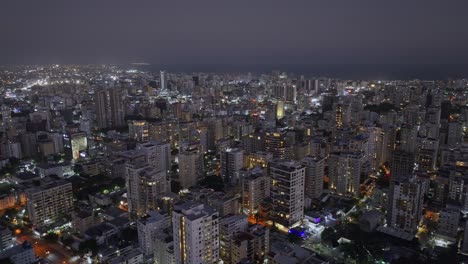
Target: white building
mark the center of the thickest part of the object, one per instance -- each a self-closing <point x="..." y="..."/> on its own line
<point x="196" y="234"/>
<point x="157" y="155"/>
<point x="148" y="227"/>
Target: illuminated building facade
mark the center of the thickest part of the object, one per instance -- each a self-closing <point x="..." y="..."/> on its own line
<point x="344" y="171"/>
<point x="287" y="193"/>
<point x="49" y="202"/>
<point x="195" y="233"/>
<point x="138" y="130"/>
<point x="144" y="186"/>
<point x="314" y="173"/>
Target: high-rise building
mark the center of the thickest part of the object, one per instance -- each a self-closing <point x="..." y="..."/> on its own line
<point x="465" y="239"/>
<point x="224" y="204"/>
<point x="287" y="193"/>
<point x="157" y="154"/>
<point x="49" y="202"/>
<point x="255" y="188"/>
<point x="74" y="144"/>
<point x="314" y="173"/>
<point x="19" y="254"/>
<point x="251" y="246"/>
<point x="344" y="171"/>
<point x="291" y="94"/>
<point x="407" y="138"/>
<point x="458" y="187"/>
<point x="5" y="238"/>
<point x="232" y="161"/>
<point x="405" y="205"/>
<point x="455" y="133"/>
<point x="279" y="109"/>
<point x="110" y="111"/>
<point x="138" y="130"/>
<point x="149" y="226"/>
<point x="102" y="108"/>
<point x="449" y="219"/>
<point x="342" y="114"/>
<point x="117" y="108"/>
<point x="229" y="227"/>
<point x="402" y="164"/>
<point x="190" y="167"/>
<point x="164" y="247"/>
<point x="144" y="186"/>
<point x="259" y="158"/>
<point x="195" y="233"/>
<point x="163" y="80"/>
<point x="277" y="144"/>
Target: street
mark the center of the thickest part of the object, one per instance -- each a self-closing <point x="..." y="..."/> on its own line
<point x="52" y="251"/>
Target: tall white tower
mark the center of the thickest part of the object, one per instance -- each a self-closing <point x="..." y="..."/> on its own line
<point x="163" y="80"/>
<point x="195" y="233"/>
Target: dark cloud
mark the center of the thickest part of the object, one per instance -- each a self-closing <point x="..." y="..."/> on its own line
<point x="261" y="32"/>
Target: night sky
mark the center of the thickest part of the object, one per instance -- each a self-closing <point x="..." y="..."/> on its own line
<point x="348" y="37"/>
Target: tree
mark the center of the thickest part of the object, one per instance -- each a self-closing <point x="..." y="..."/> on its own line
<point x="11" y="212"/>
<point x="129" y="234"/>
<point x="328" y="235"/>
<point x="51" y="237"/>
<point x="294" y="238"/>
<point x="175" y="187"/>
<point x="213" y="182"/>
<point x="88" y="245"/>
<point x="6" y="261"/>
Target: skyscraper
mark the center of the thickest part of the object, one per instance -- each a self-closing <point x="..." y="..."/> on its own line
<point x="190" y="167"/>
<point x="117" y="108"/>
<point x="314" y="173"/>
<point x="149" y="225"/>
<point x="144" y="186"/>
<point x="277" y="144"/>
<point x="405" y="205"/>
<point x="344" y="171"/>
<point x="163" y="81"/>
<point x="230" y="226"/>
<point x="102" y="107"/>
<point x="110" y="111"/>
<point x="157" y="154"/>
<point x="196" y="233"/>
<point x="287" y="193"/>
<point x="402" y="164"/>
<point x="138" y="130"/>
<point x="232" y="161"/>
<point x="255" y="188"/>
<point x="49" y="202"/>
